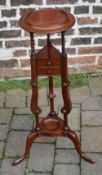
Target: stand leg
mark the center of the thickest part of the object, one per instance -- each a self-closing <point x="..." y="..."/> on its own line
<point x="34" y="83"/>
<point x="31" y="137"/>
<point x="68" y="105"/>
<point x="66" y="109"/>
<point x="74" y="138"/>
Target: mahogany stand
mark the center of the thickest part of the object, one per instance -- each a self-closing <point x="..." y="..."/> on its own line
<point x="49" y="61"/>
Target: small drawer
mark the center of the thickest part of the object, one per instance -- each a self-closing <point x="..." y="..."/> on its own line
<point x="48" y="62"/>
<point x="49" y="71"/>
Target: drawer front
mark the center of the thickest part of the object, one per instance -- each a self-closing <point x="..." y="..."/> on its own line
<point x="49" y="71"/>
<point x="46" y="62"/>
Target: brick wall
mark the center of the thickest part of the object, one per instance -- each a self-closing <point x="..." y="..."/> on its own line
<point x="83" y="41"/>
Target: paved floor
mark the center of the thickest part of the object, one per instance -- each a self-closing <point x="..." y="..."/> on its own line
<point x="50" y="156"/>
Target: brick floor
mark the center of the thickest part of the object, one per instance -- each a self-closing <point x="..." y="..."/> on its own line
<point x="16" y="98"/>
<point x="2" y="99"/>
<point x="92" y="139"/>
<point x="41" y="157"/>
<point x="22" y="122"/>
<point x="95" y="169"/>
<point x="64" y="169"/>
<point x="50" y="156"/>
<point x="5" y="115"/>
<point x="78" y="95"/>
<point x="39" y="174"/>
<point x="3" y="132"/>
<point x="16" y="143"/>
<point x="66" y="156"/>
<point x="7" y="169"/>
<point x="92" y="103"/>
<point x="1" y="149"/>
<point x="96" y="85"/>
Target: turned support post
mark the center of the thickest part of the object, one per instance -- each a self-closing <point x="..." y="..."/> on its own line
<point x="51" y="95"/>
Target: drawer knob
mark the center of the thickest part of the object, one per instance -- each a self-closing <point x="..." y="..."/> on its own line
<point x="49" y="62"/>
<point x="49" y="71"/>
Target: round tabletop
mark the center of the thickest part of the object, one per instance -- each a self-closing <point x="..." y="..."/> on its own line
<point x="47" y="21"/>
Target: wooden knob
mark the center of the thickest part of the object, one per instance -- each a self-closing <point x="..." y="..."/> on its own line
<point x="49" y="62"/>
<point x="49" y="71"/>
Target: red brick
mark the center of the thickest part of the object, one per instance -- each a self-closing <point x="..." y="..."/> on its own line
<point x="97" y="9"/>
<point x="87" y="20"/>
<point x="100" y="60"/>
<point x="88" y="68"/>
<point x="26" y="33"/>
<point x="14" y="23"/>
<point x="25" y="62"/>
<point x="9" y="13"/>
<point x="10" y="33"/>
<point x="2" y="2"/>
<point x="8" y="63"/>
<point x="90" y="1"/>
<point x="19" y="53"/>
<point x="67" y="9"/>
<point x="25" y="10"/>
<point x="90" y="30"/>
<point x="25" y="2"/>
<point x="15" y="43"/>
<point x="71" y="51"/>
<point x="72" y="70"/>
<point x="14" y="73"/>
<point x="82" y="60"/>
<point x="61" y="1"/>
<point x="42" y="42"/>
<point x="99" y="68"/>
<point x="89" y="50"/>
<point x="3" y="24"/>
<point x="70" y="32"/>
<point x="98" y="40"/>
<point x="79" y="41"/>
<point x="81" y="9"/>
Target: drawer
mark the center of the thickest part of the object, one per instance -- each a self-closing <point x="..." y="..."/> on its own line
<point x="47" y="62"/>
<point x="48" y="71"/>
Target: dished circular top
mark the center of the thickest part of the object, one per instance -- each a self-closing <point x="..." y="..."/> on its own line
<point x="47" y="21"/>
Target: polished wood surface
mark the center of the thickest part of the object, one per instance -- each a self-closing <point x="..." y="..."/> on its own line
<point x="49" y="61"/>
<point x="47" y="21"/>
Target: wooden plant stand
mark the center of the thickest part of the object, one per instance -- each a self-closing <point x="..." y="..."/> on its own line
<point x="48" y="62"/>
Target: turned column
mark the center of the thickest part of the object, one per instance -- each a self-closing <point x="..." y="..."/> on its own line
<point x="51" y="95"/>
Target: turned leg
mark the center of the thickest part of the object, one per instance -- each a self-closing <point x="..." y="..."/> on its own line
<point x="30" y="139"/>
